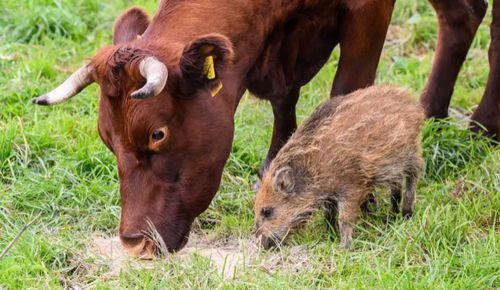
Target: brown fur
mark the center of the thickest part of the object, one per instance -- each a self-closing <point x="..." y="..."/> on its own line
<point x="348" y="146"/>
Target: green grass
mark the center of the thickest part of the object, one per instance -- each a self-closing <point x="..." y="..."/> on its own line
<point x="52" y="161"/>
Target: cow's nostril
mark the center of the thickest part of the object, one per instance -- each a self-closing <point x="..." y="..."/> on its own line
<point x="131" y="240"/>
<point x="138" y="246"/>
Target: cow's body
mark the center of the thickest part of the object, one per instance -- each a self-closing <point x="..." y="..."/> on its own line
<point x="172" y="136"/>
<point x="279" y="47"/>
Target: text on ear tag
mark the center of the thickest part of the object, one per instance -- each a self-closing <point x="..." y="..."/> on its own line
<point x="216" y="89"/>
<point x="209" y="68"/>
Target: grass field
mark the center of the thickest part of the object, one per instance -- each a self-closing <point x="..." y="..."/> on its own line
<point x="52" y="162"/>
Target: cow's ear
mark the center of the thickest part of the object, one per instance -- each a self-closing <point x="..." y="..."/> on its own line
<point x="203" y="60"/>
<point x="130" y="25"/>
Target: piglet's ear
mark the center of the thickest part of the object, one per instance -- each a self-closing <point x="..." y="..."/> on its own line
<point x="203" y="60"/>
<point x="284" y="180"/>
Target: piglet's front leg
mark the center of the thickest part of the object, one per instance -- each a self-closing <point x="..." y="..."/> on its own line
<point x="348" y="213"/>
<point x="345" y="234"/>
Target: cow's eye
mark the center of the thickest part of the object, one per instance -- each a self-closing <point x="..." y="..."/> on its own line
<point x="158" y="135"/>
<point x="267" y="212"/>
<point x="157" y="138"/>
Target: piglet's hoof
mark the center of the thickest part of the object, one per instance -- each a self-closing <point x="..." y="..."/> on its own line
<point x="407" y="214"/>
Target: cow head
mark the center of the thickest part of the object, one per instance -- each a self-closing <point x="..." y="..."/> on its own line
<point x="158" y="116"/>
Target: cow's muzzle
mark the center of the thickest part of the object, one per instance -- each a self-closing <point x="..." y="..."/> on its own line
<point x="138" y="246"/>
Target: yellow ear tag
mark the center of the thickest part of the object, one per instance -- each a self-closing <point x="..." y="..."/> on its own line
<point x="209" y="68"/>
<point x="217" y="89"/>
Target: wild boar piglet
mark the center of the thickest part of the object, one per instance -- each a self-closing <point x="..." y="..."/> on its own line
<point x="347" y="147"/>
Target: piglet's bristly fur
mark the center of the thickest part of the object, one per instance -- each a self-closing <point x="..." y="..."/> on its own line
<point x="347" y="147"/>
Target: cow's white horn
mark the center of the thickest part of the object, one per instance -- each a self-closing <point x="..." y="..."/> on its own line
<point x="156" y="75"/>
<point x="78" y="81"/>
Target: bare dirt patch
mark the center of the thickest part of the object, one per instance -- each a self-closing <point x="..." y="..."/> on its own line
<point x="228" y="256"/>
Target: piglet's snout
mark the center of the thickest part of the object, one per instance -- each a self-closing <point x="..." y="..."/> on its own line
<point x="268" y="243"/>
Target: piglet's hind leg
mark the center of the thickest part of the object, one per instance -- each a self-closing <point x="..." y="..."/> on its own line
<point x="410" y="196"/>
<point x="395" y="198"/>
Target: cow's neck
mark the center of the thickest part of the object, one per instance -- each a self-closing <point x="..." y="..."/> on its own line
<point x="246" y="23"/>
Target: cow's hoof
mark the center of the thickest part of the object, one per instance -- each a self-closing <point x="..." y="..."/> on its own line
<point x="488" y="131"/>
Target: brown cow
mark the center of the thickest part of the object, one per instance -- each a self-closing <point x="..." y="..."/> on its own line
<point x="172" y="135"/>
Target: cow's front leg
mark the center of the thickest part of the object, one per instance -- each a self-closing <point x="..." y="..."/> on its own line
<point x="458" y="23"/>
<point x="362" y="37"/>
<point x="488" y="112"/>
<point x="285" y="123"/>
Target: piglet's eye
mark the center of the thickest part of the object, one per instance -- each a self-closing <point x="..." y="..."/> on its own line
<point x="267" y="212"/>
